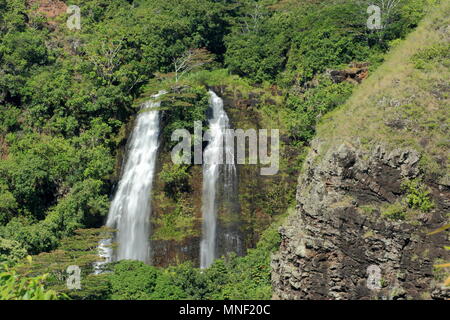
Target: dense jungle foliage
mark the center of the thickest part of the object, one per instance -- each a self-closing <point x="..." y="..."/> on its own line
<point x="67" y="97"/>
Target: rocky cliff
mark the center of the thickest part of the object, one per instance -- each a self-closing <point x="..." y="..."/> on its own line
<point x="343" y="241"/>
<point x="328" y="246"/>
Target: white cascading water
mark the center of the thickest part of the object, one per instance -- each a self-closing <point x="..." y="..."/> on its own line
<point x="130" y="209"/>
<point x="213" y="159"/>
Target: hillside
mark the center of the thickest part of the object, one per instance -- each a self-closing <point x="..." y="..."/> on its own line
<point x="376" y="181"/>
<point x="95" y="93"/>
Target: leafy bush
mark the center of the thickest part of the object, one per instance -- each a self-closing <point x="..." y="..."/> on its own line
<point x="14" y="287"/>
<point x="180" y="282"/>
<point x="11" y="251"/>
<point x="417" y="196"/>
<point x="8" y="204"/>
<point x="425" y="57"/>
<point x="175" y="178"/>
<point x="133" y="280"/>
<point x="181" y="110"/>
<point x="308" y="108"/>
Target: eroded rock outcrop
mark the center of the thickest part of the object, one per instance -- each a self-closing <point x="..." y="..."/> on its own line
<point x="355" y="73"/>
<point x="329" y="244"/>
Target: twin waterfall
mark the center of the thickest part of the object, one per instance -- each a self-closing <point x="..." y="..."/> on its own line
<point x="214" y="160"/>
<point x="130" y="209"/>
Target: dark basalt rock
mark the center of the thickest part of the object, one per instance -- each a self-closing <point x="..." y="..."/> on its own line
<point x="355" y="73"/>
<point x="328" y="245"/>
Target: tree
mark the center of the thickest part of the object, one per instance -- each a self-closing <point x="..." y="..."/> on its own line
<point x="133" y="280"/>
<point x="190" y="60"/>
<point x="253" y="19"/>
<point x="11" y="251"/>
<point x="8" y="204"/>
<point x="387" y="10"/>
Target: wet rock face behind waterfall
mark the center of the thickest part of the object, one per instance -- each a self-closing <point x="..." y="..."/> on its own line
<point x="328" y="245"/>
<point x="246" y="211"/>
<point x="171" y="252"/>
<point x="177" y="247"/>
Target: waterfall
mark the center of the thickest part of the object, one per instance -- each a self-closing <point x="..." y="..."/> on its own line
<point x="105" y="252"/>
<point x="214" y="170"/>
<point x="130" y="209"/>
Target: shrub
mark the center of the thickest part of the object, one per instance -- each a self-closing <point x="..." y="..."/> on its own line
<point x="8" y="204"/>
<point x="133" y="280"/>
<point x="423" y="58"/>
<point x="11" y="251"/>
<point x="418" y="196"/>
<point x="175" y="178"/>
<point x="14" y="287"/>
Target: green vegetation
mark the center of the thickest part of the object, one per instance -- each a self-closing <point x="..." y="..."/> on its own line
<point x="174" y="207"/>
<point x="416" y="198"/>
<point x="177" y="222"/>
<point x="14" y="287"/>
<point x="67" y="99"/>
<point x="11" y="251"/>
<point x="229" y="278"/>
<point x="426" y="57"/>
<point x="395" y="211"/>
<point x="232" y="277"/>
<point x="175" y="178"/>
<point x="407" y="105"/>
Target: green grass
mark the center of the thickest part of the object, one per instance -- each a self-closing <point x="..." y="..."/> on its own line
<point x="405" y="103"/>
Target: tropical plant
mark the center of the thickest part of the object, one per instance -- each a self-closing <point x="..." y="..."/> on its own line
<point x="15" y="287"/>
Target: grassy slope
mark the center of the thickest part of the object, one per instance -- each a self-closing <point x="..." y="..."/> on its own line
<point x="405" y="103"/>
